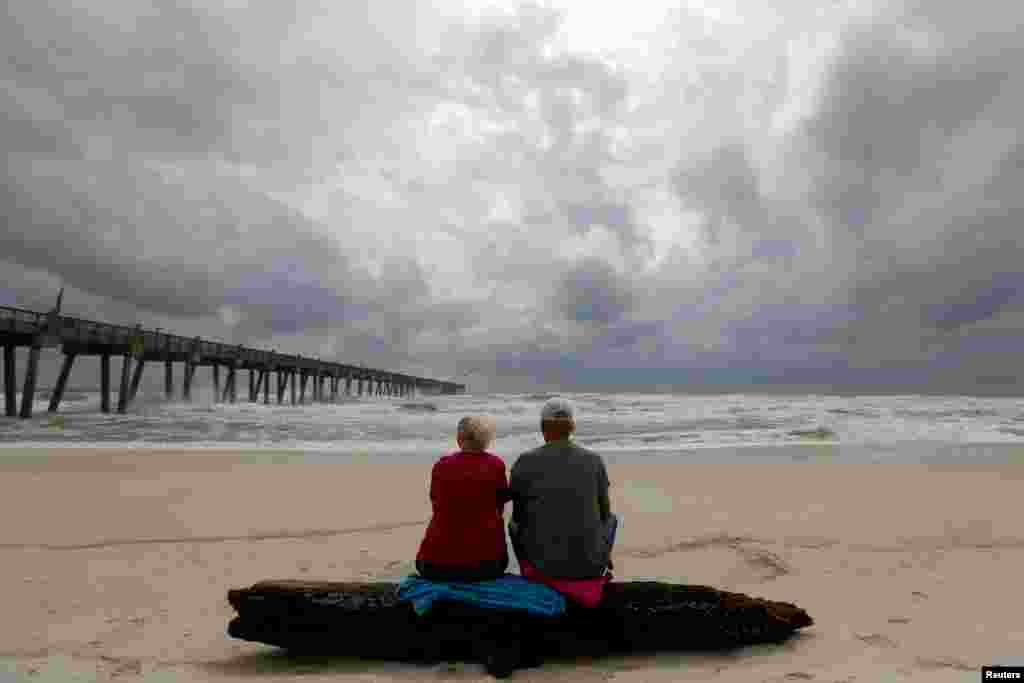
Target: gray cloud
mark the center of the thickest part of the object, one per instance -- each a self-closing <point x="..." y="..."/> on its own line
<point x="914" y="175"/>
<point x="593" y="293"/>
<point x="387" y="181"/>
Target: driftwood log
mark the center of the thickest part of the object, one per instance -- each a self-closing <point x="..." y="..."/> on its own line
<point x="368" y="620"/>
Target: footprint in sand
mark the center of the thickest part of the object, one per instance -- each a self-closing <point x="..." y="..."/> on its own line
<point x="877" y="640"/>
<point x="898" y="620"/>
<point x="918" y="595"/>
<point x="945" y="663"/>
<point x="798" y="676"/>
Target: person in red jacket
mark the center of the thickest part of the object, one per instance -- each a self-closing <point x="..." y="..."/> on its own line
<point x="465" y="540"/>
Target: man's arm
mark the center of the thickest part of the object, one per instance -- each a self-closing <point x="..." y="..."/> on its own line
<point x="515" y="487"/>
<point x="604" y="505"/>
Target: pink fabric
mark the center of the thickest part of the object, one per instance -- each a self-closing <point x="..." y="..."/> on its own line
<point x="587" y="592"/>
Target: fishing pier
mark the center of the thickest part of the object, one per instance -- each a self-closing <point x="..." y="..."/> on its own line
<point x="299" y="379"/>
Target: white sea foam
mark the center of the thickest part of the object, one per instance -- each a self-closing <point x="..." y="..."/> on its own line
<point x="614" y="424"/>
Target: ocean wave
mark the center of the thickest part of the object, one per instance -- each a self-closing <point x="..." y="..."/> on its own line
<point x="945" y="412"/>
<point x="857" y="412"/>
<point x="429" y="407"/>
<point x="821" y="433"/>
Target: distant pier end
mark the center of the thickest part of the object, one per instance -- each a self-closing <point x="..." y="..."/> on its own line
<point x="302" y="380"/>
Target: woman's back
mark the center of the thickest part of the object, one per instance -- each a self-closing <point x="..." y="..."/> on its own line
<point x="466" y="527"/>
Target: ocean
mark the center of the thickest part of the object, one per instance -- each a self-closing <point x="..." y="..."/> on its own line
<point x="706" y="428"/>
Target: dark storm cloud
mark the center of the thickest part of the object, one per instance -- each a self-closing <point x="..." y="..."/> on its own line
<point x="724" y="187"/>
<point x="167" y="244"/>
<point x="338" y="178"/>
<point x="916" y="157"/>
<point x="887" y="111"/>
<point x="592" y="292"/>
<point x="130" y="134"/>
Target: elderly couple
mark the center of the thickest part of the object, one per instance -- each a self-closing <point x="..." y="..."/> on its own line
<point x="562" y="527"/>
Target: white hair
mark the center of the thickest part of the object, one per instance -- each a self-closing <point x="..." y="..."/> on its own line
<point x="477" y="432"/>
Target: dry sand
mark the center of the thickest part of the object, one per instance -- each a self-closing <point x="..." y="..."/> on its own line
<point x="116" y="564"/>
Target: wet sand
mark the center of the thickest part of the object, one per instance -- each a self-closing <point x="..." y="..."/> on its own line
<point x="117" y="563"/>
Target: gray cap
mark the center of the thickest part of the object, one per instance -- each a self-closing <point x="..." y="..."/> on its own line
<point x="556" y="408"/>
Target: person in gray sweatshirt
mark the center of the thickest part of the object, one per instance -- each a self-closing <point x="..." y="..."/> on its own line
<point x="562" y="524"/>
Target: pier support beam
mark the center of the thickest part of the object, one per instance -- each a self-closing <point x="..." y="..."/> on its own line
<point x="334" y="389"/>
<point x="136" y="378"/>
<point x="105" y="382"/>
<point x="291" y="384"/>
<point x="266" y="387"/>
<point x="122" y="395"/>
<point x="62" y="382"/>
<point x="10" y="406"/>
<point x="302" y="387"/>
<point x="252" y="384"/>
<point x="348" y="385"/>
<point x="215" y="369"/>
<point x="190" y="372"/>
<point x="229" y="382"/>
<point x="28" y="392"/>
<point x="168" y="379"/>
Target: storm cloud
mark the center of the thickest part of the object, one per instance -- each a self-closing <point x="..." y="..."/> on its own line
<point x="746" y="197"/>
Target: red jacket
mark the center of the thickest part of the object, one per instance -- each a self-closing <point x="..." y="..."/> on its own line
<point x="466" y="527"/>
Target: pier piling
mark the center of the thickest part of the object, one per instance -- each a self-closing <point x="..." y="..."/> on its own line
<point x="62" y="381"/>
<point x="28" y="393"/>
<point x="229" y="384"/>
<point x="105" y="382"/>
<point x="136" y="378"/>
<point x="10" y="406"/>
<point x="215" y="369"/>
<point x="168" y="379"/>
<point x="186" y="391"/>
<point x="122" y="395"/>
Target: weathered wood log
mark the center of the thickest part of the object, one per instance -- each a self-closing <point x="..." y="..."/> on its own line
<point x="369" y="620"/>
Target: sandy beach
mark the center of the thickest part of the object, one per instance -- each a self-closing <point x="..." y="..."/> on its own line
<point x="117" y="563"/>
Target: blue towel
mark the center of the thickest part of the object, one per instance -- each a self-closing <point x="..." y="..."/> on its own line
<point x="508" y="592"/>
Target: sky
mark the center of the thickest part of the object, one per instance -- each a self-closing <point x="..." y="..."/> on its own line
<point x="706" y="195"/>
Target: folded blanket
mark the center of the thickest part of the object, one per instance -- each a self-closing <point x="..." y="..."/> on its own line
<point x="508" y="592"/>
